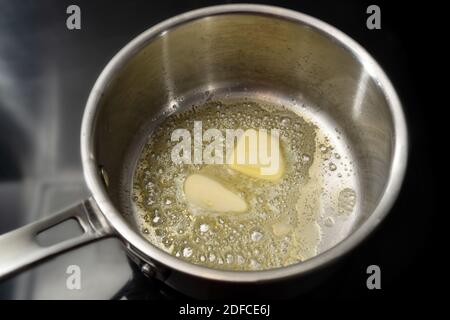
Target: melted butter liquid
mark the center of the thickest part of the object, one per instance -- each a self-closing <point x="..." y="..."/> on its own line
<point x="281" y="225"/>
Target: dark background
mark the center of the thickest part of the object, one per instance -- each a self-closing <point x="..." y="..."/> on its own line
<point x="409" y="47"/>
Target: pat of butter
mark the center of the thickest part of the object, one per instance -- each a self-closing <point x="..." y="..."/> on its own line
<point x="209" y="194"/>
<point x="258" y="154"/>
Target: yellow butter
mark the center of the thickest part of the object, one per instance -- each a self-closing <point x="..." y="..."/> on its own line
<point x="264" y="143"/>
<point x="209" y="194"/>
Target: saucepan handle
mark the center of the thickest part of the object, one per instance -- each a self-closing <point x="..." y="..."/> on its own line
<point x="21" y="248"/>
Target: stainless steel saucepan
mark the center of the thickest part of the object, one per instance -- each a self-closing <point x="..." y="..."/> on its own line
<point x="265" y="52"/>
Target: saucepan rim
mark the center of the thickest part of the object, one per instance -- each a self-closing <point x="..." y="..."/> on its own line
<point x="131" y="236"/>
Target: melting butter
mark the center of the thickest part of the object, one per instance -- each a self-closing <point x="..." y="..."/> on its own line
<point x="258" y="155"/>
<point x="230" y="216"/>
<point x="211" y="196"/>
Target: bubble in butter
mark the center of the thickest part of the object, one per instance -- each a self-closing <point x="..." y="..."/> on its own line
<point x="210" y="195"/>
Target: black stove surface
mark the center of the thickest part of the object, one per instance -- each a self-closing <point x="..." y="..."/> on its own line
<point x="46" y="72"/>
